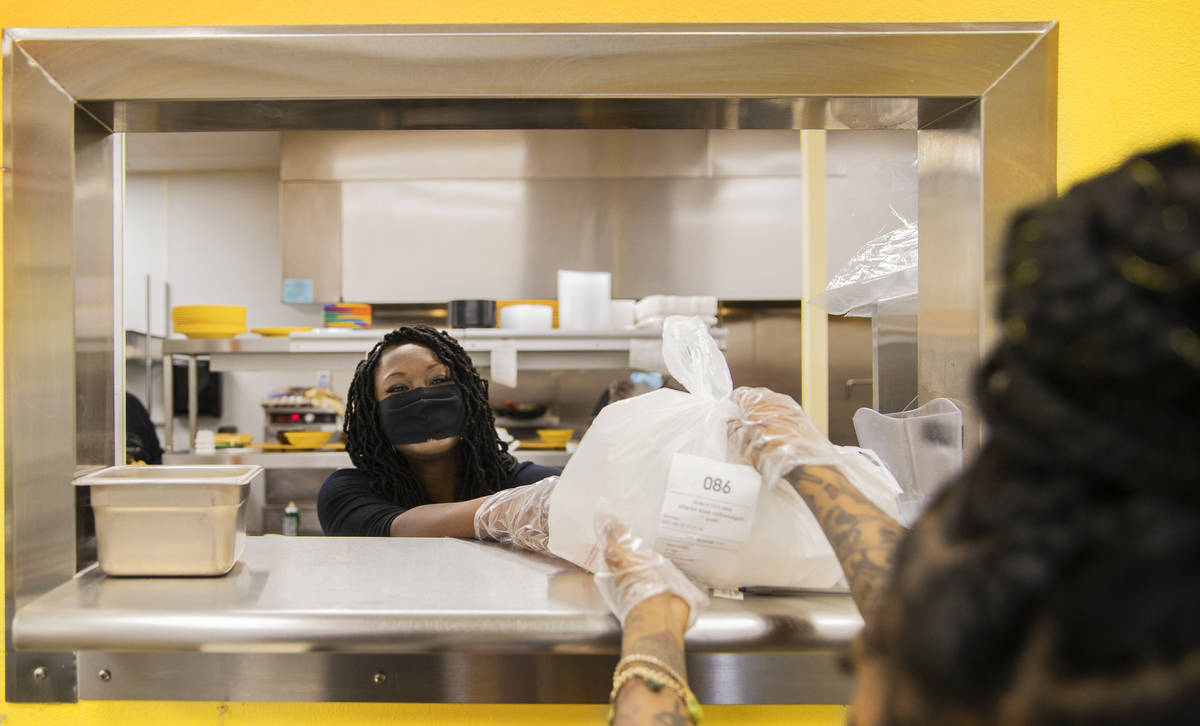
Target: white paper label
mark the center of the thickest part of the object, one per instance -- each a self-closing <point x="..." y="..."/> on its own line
<point x="707" y="515"/>
<point x="504" y="363"/>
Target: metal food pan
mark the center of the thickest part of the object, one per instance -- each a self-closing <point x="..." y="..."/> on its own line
<point x="170" y="520"/>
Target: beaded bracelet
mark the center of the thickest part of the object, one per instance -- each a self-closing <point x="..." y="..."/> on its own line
<point x="656" y="680"/>
<point x="657" y="662"/>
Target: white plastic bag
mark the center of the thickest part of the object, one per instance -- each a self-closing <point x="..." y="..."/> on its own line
<point x="627" y="455"/>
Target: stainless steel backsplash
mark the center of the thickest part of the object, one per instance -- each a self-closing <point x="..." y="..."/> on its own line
<point x="493" y="214"/>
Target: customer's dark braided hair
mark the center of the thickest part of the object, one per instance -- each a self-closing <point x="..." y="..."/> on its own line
<point x="1057" y="581"/>
<point x="485" y="462"/>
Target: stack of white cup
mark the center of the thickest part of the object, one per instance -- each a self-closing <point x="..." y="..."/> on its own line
<point x="584" y="300"/>
<point x="206" y="442"/>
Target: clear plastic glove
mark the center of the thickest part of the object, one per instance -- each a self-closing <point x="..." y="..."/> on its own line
<point x="775" y="435"/>
<point x="519" y="516"/>
<point x="636" y="572"/>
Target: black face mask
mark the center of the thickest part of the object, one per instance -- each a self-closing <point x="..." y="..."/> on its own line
<point x="421" y="414"/>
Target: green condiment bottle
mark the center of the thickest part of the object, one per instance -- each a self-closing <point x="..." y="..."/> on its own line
<point x="291" y="520"/>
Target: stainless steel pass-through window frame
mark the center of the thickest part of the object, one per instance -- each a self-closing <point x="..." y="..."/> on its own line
<point x="981" y="97"/>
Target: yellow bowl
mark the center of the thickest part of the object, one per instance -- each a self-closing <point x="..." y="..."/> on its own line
<point x="307" y="439"/>
<point x="555" y="437"/>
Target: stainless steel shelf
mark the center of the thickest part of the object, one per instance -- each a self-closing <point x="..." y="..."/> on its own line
<point x="136" y="344"/>
<point x="536" y="350"/>
<point x="342" y="349"/>
<point x="323" y="459"/>
<point x="266" y="459"/>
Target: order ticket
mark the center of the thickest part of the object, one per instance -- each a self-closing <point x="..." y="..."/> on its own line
<point x="707" y="515"/>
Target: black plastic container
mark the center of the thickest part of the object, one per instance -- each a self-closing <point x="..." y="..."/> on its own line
<point x="472" y="313"/>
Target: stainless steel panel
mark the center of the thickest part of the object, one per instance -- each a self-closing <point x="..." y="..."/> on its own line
<point x="168" y="376"/>
<point x="764" y="349"/>
<point x="547" y="61"/>
<point x="516" y="113"/>
<point x="755" y="153"/>
<point x="978" y="165"/>
<point x="192" y="152"/>
<point x="894" y="359"/>
<point x="40" y="677"/>
<point x="454" y="239"/>
<point x="656" y="208"/>
<point x="509" y="237"/>
<point x="462" y="155"/>
<point x="310" y="460"/>
<point x="444" y="678"/>
<point x="298" y="485"/>
<point x="310" y="221"/>
<point x="39" y="344"/>
<point x="951" y="305"/>
<point x="391" y="596"/>
<point x="96" y="288"/>
<point x="192" y="405"/>
<point x="1019" y="156"/>
<point x="851" y="382"/>
<point x="736" y="238"/>
<point x="763" y="344"/>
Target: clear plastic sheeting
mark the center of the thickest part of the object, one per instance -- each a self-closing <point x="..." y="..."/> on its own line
<point x="883" y="268"/>
<point x="923" y="448"/>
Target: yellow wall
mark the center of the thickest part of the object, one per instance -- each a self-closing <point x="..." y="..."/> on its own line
<point x="1128" y="69"/>
<point x="1128" y="79"/>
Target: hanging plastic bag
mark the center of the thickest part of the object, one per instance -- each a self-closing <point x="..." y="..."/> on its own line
<point x="883" y="268"/>
<point x="661" y="462"/>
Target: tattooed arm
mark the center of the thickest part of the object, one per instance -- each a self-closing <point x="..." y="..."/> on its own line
<point x="654" y="627"/>
<point x="775" y="435"/>
<point x="863" y="537"/>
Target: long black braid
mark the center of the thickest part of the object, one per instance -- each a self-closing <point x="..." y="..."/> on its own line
<point x="485" y="461"/>
<point x="1057" y="581"/>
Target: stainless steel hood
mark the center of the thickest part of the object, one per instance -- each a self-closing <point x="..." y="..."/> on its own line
<point x="415" y="216"/>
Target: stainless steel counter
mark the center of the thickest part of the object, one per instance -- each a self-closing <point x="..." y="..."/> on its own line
<point x="401" y="602"/>
<point x="370" y="595"/>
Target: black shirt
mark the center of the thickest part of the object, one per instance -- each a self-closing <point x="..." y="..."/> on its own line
<point x="348" y="507"/>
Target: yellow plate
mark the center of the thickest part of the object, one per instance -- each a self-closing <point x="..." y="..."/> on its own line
<point x="279" y="332"/>
<point x="291" y="447"/>
<point x="211" y="334"/>
<point x="232" y="439"/>
<point x="536" y="445"/>
<point x="210" y="331"/>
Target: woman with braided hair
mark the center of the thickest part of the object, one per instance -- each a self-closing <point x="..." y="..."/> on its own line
<point x="1056" y="581"/>
<point x="427" y="460"/>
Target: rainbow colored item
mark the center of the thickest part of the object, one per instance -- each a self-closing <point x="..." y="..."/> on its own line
<point x="348" y="315"/>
